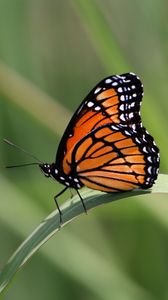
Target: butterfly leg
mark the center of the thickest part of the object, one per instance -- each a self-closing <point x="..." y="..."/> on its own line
<point x="57" y="205"/>
<point x="84" y="206"/>
<point x="71" y="194"/>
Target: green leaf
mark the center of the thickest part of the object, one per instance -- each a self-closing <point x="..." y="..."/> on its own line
<point x="70" y="209"/>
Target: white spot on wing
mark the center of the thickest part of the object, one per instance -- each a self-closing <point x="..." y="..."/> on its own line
<point x="97" y="108"/>
<point x="145" y="150"/>
<point x="137" y="140"/>
<point x="122" y="117"/>
<point x="108" y="80"/>
<point x="120" y="90"/>
<point x="114" y="127"/>
<point x="127" y="133"/>
<point x="97" y="90"/>
<point x="144" y="138"/>
<point x="149" y="158"/>
<point x="122" y="98"/>
<point x="114" y="83"/>
<point x="90" y="104"/>
<point x="126" y="97"/>
<point x="150" y="170"/>
<point x="122" y="107"/>
<point x="134" y="127"/>
<point x="131" y="115"/>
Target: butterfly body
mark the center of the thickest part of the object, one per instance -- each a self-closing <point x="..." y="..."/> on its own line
<point x="51" y="170"/>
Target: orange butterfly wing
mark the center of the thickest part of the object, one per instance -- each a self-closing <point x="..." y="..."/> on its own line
<point x="105" y="146"/>
<point x="116" y="158"/>
<point x="115" y="99"/>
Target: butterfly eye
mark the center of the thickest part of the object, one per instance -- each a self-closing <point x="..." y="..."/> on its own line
<point x="46" y="169"/>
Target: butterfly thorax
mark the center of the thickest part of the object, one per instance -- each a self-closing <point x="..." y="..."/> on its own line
<point x="51" y="170"/>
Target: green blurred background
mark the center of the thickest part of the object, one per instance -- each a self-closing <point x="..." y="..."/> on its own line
<point x="51" y="54"/>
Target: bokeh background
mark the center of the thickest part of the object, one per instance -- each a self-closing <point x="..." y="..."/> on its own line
<point x="51" y="54"/>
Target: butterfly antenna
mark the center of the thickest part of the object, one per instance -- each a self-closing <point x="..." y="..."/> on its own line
<point x="22" y="165"/>
<point x="23" y="150"/>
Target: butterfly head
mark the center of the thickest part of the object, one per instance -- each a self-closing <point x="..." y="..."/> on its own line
<point x="46" y="169"/>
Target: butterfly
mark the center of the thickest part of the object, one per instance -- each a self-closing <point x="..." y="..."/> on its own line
<point x="105" y="146"/>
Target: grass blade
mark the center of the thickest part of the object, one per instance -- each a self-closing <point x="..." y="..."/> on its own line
<point x="71" y="209"/>
<point x="36" y="102"/>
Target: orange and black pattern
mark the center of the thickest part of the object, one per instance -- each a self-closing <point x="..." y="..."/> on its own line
<point x="116" y="158"/>
<point x="105" y="146"/>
